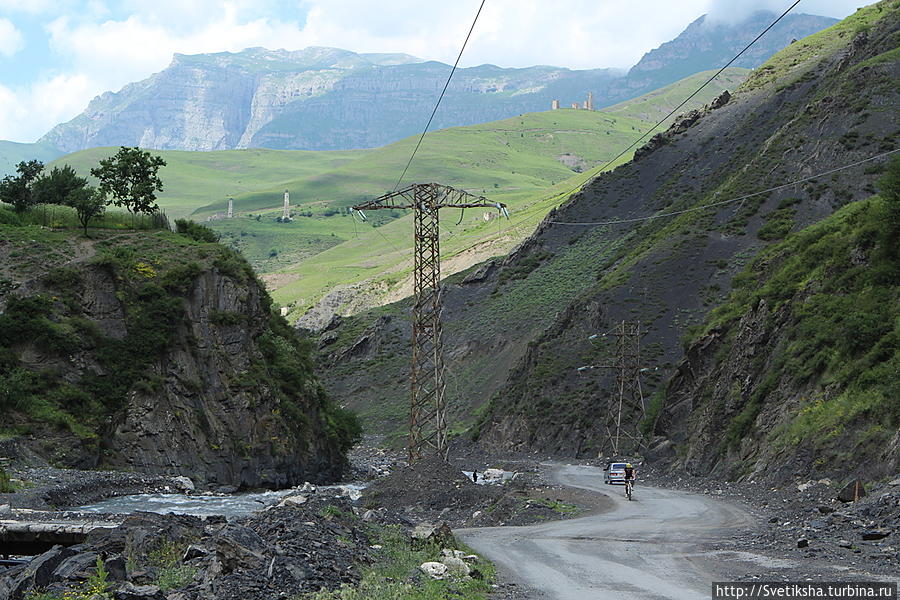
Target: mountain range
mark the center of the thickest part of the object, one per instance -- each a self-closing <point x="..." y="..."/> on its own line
<point x="330" y="99"/>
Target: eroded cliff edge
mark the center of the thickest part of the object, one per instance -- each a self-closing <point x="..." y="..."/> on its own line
<point x="157" y="353"/>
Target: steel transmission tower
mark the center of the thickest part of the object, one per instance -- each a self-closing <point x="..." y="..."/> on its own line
<point x="628" y="399"/>
<point x="427" y="414"/>
<point x="628" y="380"/>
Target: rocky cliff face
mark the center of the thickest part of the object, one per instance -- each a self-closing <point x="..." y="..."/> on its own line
<point x="517" y="330"/>
<point x="797" y="370"/>
<point x="328" y="99"/>
<point x="171" y="362"/>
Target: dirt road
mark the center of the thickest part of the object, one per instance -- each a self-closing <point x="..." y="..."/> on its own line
<point x="658" y="546"/>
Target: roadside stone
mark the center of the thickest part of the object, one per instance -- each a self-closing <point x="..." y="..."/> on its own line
<point x="429" y="532"/>
<point x="129" y="591"/>
<point x="456" y="566"/>
<point x="435" y="570"/>
<point x="852" y="491"/>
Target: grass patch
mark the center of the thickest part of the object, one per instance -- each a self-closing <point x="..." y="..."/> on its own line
<point x="395" y="574"/>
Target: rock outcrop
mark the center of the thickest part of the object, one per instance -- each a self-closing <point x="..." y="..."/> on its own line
<point x="170" y="364"/>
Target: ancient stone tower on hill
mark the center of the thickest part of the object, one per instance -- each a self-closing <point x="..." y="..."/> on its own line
<point x="286" y="212"/>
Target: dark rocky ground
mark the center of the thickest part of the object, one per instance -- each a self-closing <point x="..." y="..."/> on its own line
<point x="804" y="520"/>
<point x="280" y="552"/>
<point x="321" y="542"/>
<point x="48" y="488"/>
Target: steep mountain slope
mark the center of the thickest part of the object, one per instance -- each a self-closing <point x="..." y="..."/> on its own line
<point x="710" y="41"/>
<point x="328" y="99"/>
<point x="155" y="353"/>
<point x="800" y="367"/>
<point x="517" y="329"/>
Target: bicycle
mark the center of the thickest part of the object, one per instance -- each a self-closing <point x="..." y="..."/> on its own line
<point x="629" y="485"/>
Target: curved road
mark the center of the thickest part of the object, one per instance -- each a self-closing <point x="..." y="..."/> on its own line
<point x="654" y="547"/>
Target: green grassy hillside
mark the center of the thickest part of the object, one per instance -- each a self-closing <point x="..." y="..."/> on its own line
<point x="12" y="153"/>
<point x="195" y="179"/>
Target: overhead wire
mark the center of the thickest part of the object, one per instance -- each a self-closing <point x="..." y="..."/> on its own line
<point x="441" y="97"/>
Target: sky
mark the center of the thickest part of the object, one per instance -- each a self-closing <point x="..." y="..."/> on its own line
<point x="56" y="55"/>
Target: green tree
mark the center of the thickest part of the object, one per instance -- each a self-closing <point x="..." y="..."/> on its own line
<point x="130" y="179"/>
<point x="88" y="202"/>
<point x="56" y="187"/>
<point x="18" y="190"/>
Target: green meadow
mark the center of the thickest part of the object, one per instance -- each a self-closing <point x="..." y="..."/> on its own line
<point x="531" y="163"/>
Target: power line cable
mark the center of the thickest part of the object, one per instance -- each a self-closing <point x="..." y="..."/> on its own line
<point x="730" y="201"/>
<point x="441" y="97"/>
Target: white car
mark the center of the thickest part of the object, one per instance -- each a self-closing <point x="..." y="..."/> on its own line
<point x="614" y="472"/>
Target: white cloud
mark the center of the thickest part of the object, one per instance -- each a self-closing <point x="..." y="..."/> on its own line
<point x="11" y="40"/>
<point x="28" y="112"/>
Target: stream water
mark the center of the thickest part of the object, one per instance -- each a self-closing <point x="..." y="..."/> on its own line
<point x="233" y="505"/>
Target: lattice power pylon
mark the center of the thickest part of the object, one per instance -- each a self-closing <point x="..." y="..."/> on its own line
<point x="427" y="414"/>
<point x="628" y="399"/>
<point x="628" y="381"/>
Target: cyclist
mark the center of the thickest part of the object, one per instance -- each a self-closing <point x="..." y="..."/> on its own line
<point x="629" y="479"/>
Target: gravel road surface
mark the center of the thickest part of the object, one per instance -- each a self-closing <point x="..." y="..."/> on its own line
<point x="660" y="545"/>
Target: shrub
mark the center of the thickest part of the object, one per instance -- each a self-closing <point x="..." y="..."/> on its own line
<point x="196" y="231"/>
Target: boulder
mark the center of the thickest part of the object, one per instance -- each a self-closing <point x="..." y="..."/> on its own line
<point x="308" y="488"/>
<point x="115" y="567"/>
<point x="129" y="591"/>
<point x="76" y="567"/>
<point x="183" y="483"/>
<point x="852" y="491"/>
<point x="297" y="500"/>
<point x="875" y="534"/>
<point x="435" y="570"/>
<point x="194" y="551"/>
<point x="428" y="532"/>
<point x="456" y="566"/>
<point x="39" y="572"/>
